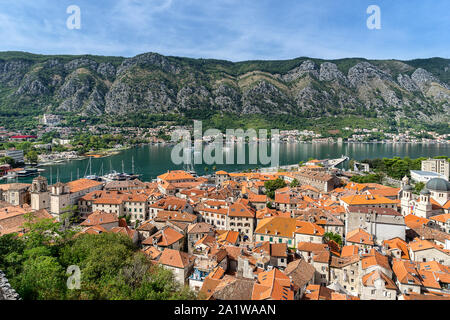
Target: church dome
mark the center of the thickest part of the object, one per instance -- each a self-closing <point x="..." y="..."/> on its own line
<point x="438" y="184"/>
<point x="425" y="192"/>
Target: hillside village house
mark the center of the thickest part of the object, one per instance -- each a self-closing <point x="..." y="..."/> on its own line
<point x="165" y="238"/>
<point x="426" y="251"/>
<point x="345" y="271"/>
<point x="196" y="232"/>
<point x="181" y="263"/>
<point x="319" y="179"/>
<point x="308" y="232"/>
<point x="241" y="218"/>
<point x="443" y="221"/>
<point x="122" y="203"/>
<point x="382" y="223"/>
<point x="169" y="204"/>
<point x="64" y="195"/>
<point x="277" y="230"/>
<point x="371" y="201"/>
<point x="15" y="193"/>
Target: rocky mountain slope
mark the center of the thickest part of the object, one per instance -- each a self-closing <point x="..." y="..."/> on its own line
<point x="152" y="83"/>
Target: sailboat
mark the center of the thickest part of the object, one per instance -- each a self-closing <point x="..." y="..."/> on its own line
<point x="121" y="176"/>
<point x="91" y="176"/>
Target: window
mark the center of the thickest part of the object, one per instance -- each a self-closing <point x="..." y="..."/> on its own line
<point x="261" y="238"/>
<point x="280" y="240"/>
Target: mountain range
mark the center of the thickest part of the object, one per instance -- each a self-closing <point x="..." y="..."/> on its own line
<point x="153" y="83"/>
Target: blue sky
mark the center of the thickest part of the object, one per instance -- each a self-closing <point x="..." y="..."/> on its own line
<point x="229" y="29"/>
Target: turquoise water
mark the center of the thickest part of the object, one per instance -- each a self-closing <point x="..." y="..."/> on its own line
<point x="152" y="160"/>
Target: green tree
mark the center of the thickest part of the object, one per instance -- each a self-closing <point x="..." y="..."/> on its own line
<point x="273" y="185"/>
<point x="418" y="187"/>
<point x="332" y="236"/>
<point x="42" y="277"/>
<point x="294" y="183"/>
<point x="7" y="160"/>
<point x="32" y="156"/>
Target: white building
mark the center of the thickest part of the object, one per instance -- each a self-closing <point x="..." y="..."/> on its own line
<point x="425" y="176"/>
<point x="16" y="155"/>
<point x="440" y="166"/>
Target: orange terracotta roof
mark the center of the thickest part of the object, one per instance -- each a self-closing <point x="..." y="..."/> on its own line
<point x="277" y="226"/>
<point x="164" y="237"/>
<point x="367" y="199"/>
<point x="348" y="251"/>
<point x="228" y="237"/>
<point x="413" y="221"/>
<point x="397" y="243"/>
<point x="100" y="217"/>
<point x="240" y="210"/>
<point x="130" y="233"/>
<point x="175" y="258"/>
<point x="152" y="252"/>
<point x="369" y="279"/>
<point x="164" y="215"/>
<point x="209" y="286"/>
<point x="170" y="204"/>
<point x="386" y="192"/>
<point x="317" y="292"/>
<point x="252" y="197"/>
<point x="175" y="175"/>
<point x="221" y="172"/>
<point x="375" y="259"/>
<point x="82" y="184"/>
<point x="309" y="228"/>
<point x="273" y="285"/>
<point x="419" y="245"/>
<point x="441" y="217"/>
<point x="355" y="186"/>
<point x="359" y="236"/>
<point x="311" y="247"/>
